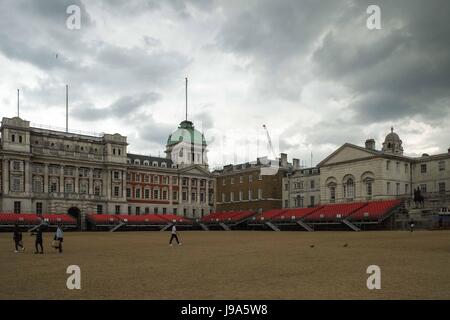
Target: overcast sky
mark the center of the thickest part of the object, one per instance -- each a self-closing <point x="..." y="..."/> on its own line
<point x="310" y="70"/>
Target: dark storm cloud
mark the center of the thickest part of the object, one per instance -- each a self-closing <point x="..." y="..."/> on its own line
<point x="121" y="108"/>
<point x="400" y="71"/>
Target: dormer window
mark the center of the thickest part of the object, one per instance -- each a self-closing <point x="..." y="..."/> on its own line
<point x="164" y="165"/>
<point x="155" y="164"/>
<point x="146" y="163"/>
<point x="137" y="161"/>
<point x="129" y="161"/>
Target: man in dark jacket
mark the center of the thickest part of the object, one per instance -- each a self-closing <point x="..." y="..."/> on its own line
<point x="39" y="240"/>
<point x="18" y="239"/>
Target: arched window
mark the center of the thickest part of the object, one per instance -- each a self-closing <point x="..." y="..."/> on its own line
<point x="332" y="192"/>
<point x="38" y="185"/>
<point x="137" y="161"/>
<point x="368" y="183"/>
<point x="349" y="189"/>
<point x="155" y="164"/>
<point x="146" y="163"/>
<point x="84" y="187"/>
<point x="163" y="165"/>
<point x="97" y="188"/>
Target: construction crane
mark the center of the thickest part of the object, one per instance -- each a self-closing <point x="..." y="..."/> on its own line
<point x="270" y="142"/>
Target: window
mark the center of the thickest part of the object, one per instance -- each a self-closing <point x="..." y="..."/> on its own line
<point x="312" y="201"/>
<point x="349" y="189"/>
<point x="16" y="165"/>
<point x="129" y="210"/>
<point x="156" y="194"/>
<point x="154" y="164"/>
<point x="423" y="168"/>
<point x="286" y="205"/>
<point x="116" y="175"/>
<point x="174" y="180"/>
<point x="68" y="186"/>
<point x="53" y="186"/>
<point x="38" y="185"/>
<point x="164" y="194"/>
<point x="116" y="191"/>
<point x="406" y="188"/>
<point x="369" y="183"/>
<point x="138" y="210"/>
<point x="147" y="193"/>
<point x="441" y="165"/>
<point x="84" y="187"/>
<point x="128" y="192"/>
<point x="16" y="184"/>
<point x="17" y="206"/>
<point x="137" y="161"/>
<point x="388" y="163"/>
<point x="332" y="194"/>
<point x="155" y="210"/>
<point x="388" y="188"/>
<point x="184" y="195"/>
<point x="138" y="193"/>
<point x="156" y="179"/>
<point x="147" y="210"/>
<point x="193" y="196"/>
<point x="13" y="138"/>
<point x="98" y="190"/>
<point x="175" y="195"/>
<point x="397" y="188"/>
<point x="312" y="184"/>
<point x="286" y="186"/>
<point x="441" y="187"/>
<point x="117" y="209"/>
<point x="38" y="207"/>
<point x="99" y="209"/>
<point x="406" y="168"/>
<point x="423" y="188"/>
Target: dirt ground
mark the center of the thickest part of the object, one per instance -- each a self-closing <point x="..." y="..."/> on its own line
<point x="231" y="265"/>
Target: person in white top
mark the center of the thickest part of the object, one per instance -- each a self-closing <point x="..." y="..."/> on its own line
<point x="174" y="236"/>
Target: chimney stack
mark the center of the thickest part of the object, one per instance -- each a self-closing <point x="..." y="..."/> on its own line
<point x="283" y="160"/>
<point x="296" y="163"/>
<point x="370" y="144"/>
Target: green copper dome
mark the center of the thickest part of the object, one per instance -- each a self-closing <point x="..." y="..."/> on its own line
<point x="187" y="133"/>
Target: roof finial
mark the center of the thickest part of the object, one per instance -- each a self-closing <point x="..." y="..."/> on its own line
<point x="392" y="128"/>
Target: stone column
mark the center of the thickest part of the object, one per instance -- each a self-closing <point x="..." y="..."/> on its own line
<point x="189" y="191"/>
<point x="198" y="192"/>
<point x="108" y="184"/>
<point x="77" y="179"/>
<point x="91" y="181"/>
<point x="27" y="174"/>
<point x="170" y="190"/>
<point x="5" y="174"/>
<point x="61" y="179"/>
<point x="124" y="185"/>
<point x="45" y="177"/>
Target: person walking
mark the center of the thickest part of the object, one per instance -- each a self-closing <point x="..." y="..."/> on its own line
<point x="39" y="241"/>
<point x="59" y="236"/>
<point x="174" y="236"/>
<point x="411" y="225"/>
<point x="18" y="239"/>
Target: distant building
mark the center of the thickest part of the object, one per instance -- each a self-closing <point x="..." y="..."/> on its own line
<point x="355" y="173"/>
<point x="49" y="171"/>
<point x="301" y="188"/>
<point x="255" y="186"/>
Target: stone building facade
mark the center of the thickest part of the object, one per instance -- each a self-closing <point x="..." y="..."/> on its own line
<point x="301" y="188"/>
<point x="49" y="171"/>
<point x="255" y="186"/>
<point x="355" y="173"/>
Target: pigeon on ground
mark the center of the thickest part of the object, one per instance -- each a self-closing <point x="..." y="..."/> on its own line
<point x="346" y="245"/>
<point x="312" y="246"/>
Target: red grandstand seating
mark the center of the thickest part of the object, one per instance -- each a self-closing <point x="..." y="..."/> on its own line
<point x="297" y="213"/>
<point x="271" y="214"/>
<point x="232" y="216"/>
<point x="19" y="218"/>
<point x="175" y="218"/>
<point x="59" y="219"/>
<point x="375" y="210"/>
<point x="334" y="212"/>
<point x="102" y="219"/>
